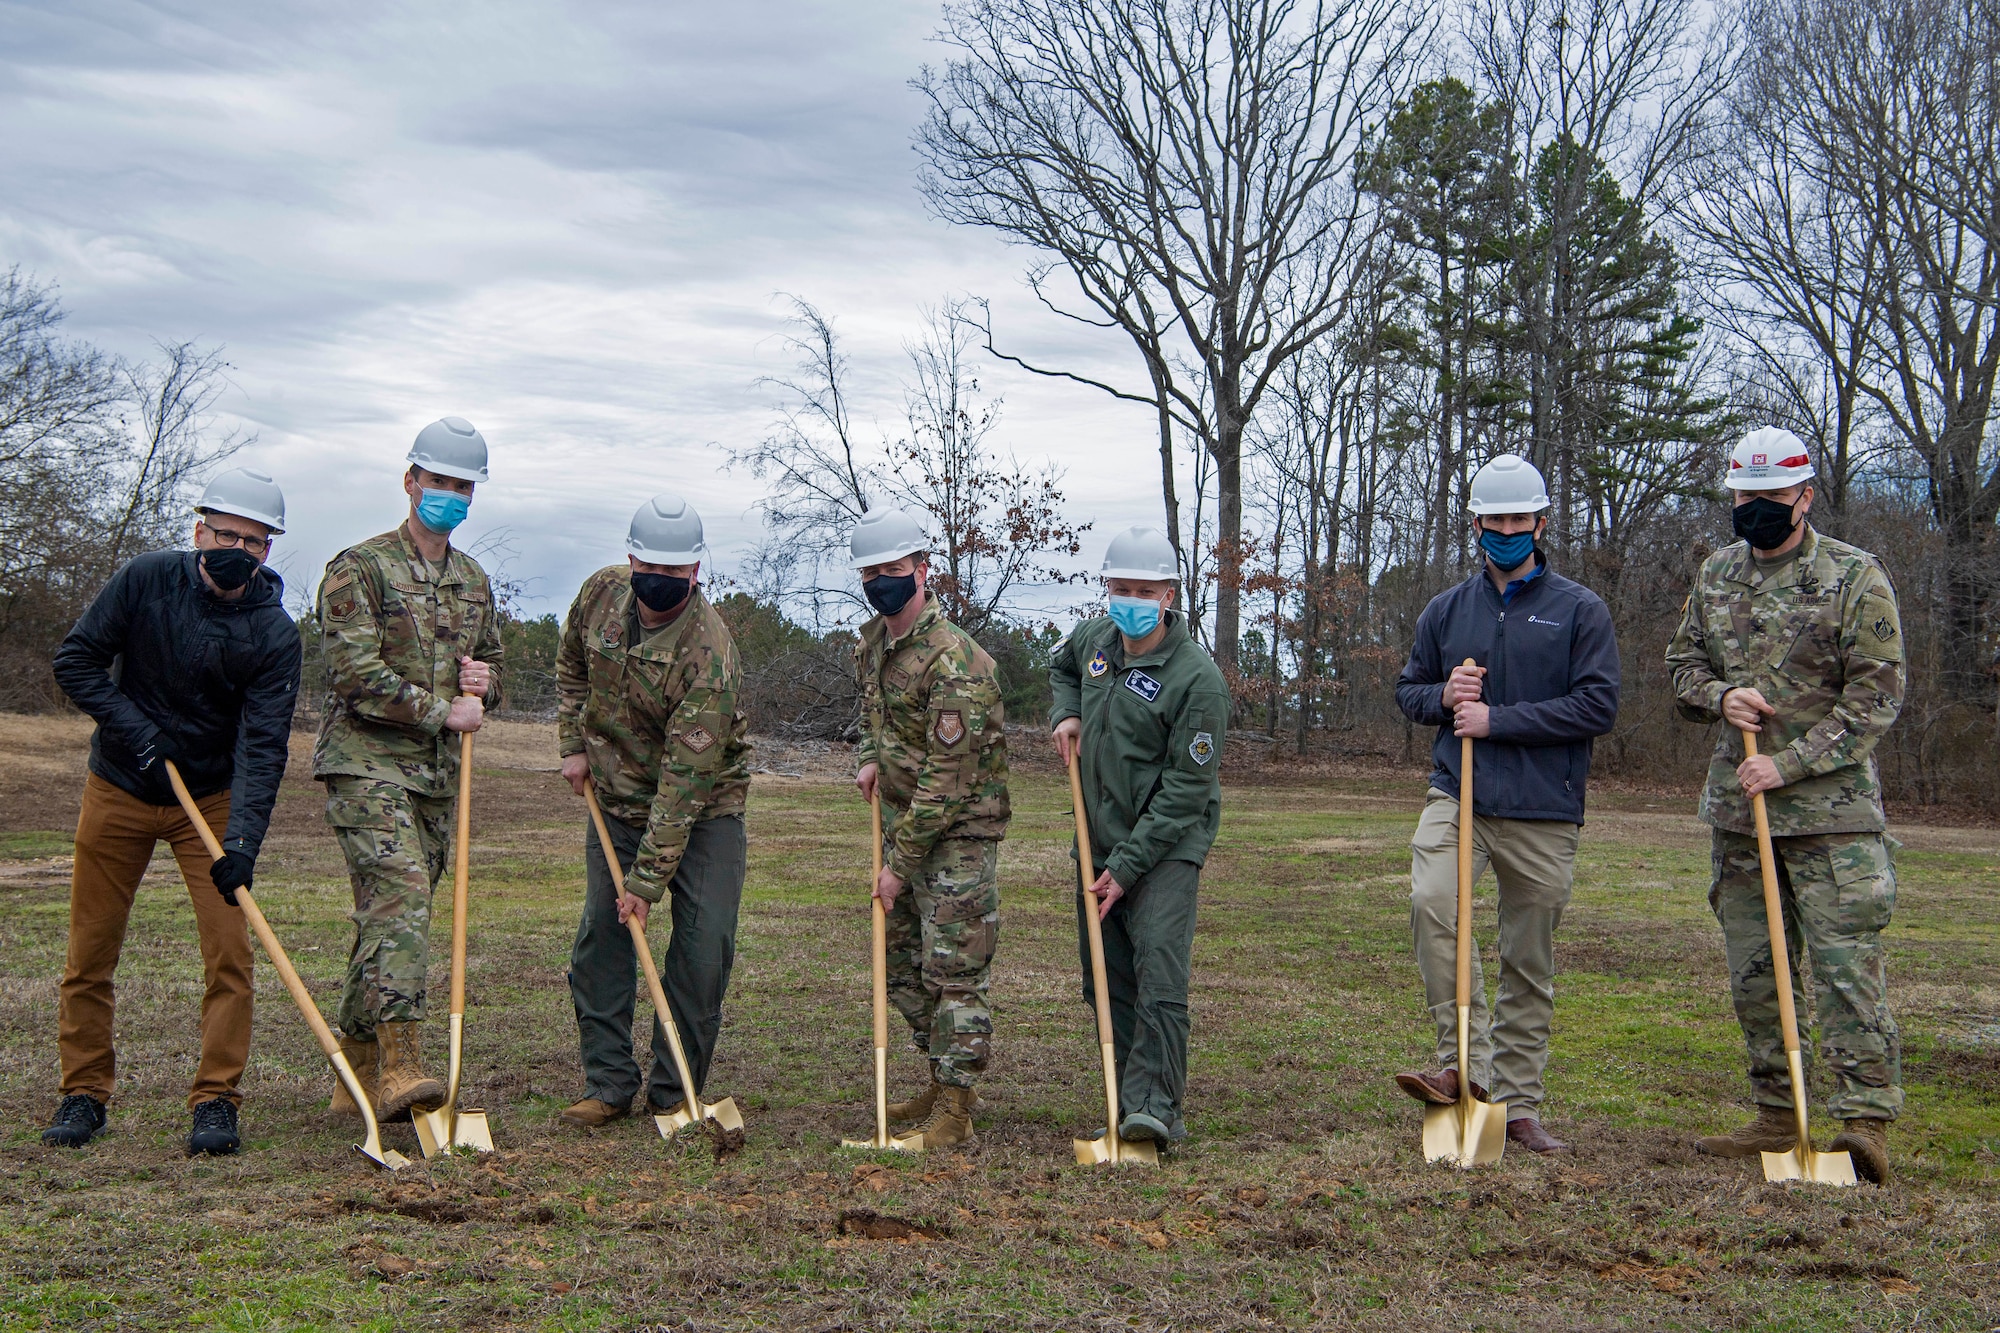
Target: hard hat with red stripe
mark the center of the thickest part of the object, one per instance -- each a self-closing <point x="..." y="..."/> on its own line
<point x="1768" y="459"/>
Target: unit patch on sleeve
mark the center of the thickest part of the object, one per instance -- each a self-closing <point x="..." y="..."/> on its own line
<point x="697" y="739"/>
<point x="1099" y="664"/>
<point x="1142" y="685"/>
<point x="1203" y="748"/>
<point x="950" y="728"/>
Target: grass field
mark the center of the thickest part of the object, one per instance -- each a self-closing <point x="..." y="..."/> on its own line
<point x="1301" y="1201"/>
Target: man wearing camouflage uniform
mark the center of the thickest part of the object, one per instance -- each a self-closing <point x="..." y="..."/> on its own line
<point x="934" y="745"/>
<point x="1796" y="637"/>
<point x="1143" y="708"/>
<point x="648" y="680"/>
<point x="411" y="647"/>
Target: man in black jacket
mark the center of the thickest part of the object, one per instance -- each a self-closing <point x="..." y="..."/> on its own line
<point x="1545" y="685"/>
<point x="188" y="656"/>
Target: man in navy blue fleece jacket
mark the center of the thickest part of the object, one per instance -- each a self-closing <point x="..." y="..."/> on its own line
<point x="1543" y="685"/>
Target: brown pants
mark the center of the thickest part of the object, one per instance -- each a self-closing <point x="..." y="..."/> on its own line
<point x="115" y="836"/>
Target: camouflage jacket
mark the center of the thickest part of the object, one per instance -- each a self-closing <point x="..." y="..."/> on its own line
<point x="658" y="717"/>
<point x="1819" y="636"/>
<point x="932" y="722"/>
<point x="390" y="640"/>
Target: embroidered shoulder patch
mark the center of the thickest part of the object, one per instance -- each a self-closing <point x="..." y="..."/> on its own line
<point x="1884" y="631"/>
<point x="950" y="729"/>
<point x="1099" y="664"/>
<point x="1142" y="685"/>
<point x="697" y="739"/>
<point x="1203" y="748"/>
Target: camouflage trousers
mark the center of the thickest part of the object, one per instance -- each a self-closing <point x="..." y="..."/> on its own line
<point x="1837" y="892"/>
<point x="942" y="931"/>
<point x="396" y="842"/>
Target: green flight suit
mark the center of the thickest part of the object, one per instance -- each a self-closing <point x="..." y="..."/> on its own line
<point x="1150" y="755"/>
<point x="1818" y="634"/>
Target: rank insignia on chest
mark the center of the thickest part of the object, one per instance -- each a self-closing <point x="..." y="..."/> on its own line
<point x="1099" y="664"/>
<point x="611" y="636"/>
<point x="1202" y="749"/>
<point x="950" y="729"/>
<point x="1142" y="685"/>
<point x="697" y="739"/>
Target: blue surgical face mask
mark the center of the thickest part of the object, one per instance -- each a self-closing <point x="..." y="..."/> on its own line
<point x="441" y="511"/>
<point x="1510" y="551"/>
<point x="1136" y="617"/>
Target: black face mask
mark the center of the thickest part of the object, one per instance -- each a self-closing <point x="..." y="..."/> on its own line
<point x="1763" y="522"/>
<point x="890" y="593"/>
<point x="229" y="567"/>
<point x="660" y="592"/>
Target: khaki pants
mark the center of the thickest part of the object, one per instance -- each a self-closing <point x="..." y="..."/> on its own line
<point x="1534" y="861"/>
<point x="115" y="837"/>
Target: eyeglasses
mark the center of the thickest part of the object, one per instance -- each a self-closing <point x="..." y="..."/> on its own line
<point x="257" y="546"/>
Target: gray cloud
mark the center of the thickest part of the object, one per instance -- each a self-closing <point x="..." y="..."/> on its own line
<point x="565" y="222"/>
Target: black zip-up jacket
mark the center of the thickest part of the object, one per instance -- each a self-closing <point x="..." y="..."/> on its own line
<point x="169" y="669"/>
<point x="1551" y="660"/>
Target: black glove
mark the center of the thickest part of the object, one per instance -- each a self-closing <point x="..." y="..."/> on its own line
<point x="160" y="747"/>
<point x="231" y="871"/>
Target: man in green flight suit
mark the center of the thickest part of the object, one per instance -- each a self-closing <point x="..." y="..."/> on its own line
<point x="934" y="746"/>
<point x="1144" y="707"/>
<point x="1796" y="637"/>
<point x="411" y="644"/>
<point x="648" y="682"/>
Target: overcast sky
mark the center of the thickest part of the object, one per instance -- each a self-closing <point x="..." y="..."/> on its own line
<point x="569" y="224"/>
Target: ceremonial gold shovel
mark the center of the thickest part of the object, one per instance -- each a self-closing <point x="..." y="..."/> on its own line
<point x="693" y="1110"/>
<point x="1470" y="1132"/>
<point x="1801" y="1163"/>
<point x="448" y="1127"/>
<point x="882" y="1140"/>
<point x="372" y="1148"/>
<point x="1109" y="1147"/>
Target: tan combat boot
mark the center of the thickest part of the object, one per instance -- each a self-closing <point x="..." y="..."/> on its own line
<point x="402" y="1085"/>
<point x="919" y="1106"/>
<point x="950" y="1120"/>
<point x="1867" y="1142"/>
<point x="1775" y="1129"/>
<point x="361" y="1057"/>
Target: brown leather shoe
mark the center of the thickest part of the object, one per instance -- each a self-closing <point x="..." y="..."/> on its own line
<point x="1528" y="1132"/>
<point x="590" y="1113"/>
<point x="1439" y="1089"/>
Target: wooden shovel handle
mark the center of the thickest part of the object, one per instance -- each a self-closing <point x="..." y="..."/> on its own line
<point x="645" y="952"/>
<point x="1465" y="867"/>
<point x="279" y="959"/>
<point x="1774" y="912"/>
<point x="461" y="872"/>
<point x="879" y="943"/>
<point x="1087" y="875"/>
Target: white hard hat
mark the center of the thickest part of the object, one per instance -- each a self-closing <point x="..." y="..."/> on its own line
<point x="883" y="535"/>
<point x="1769" y="459"/>
<point x="451" y="447"/>
<point x="246" y="493"/>
<point x="666" y="531"/>
<point x="1141" y="553"/>
<point x="1509" y="484"/>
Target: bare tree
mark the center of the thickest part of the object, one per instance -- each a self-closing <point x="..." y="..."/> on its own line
<point x="174" y="400"/>
<point x="1190" y="165"/>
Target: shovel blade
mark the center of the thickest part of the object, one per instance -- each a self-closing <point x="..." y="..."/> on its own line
<point x="1129" y="1152"/>
<point x="1466" y="1134"/>
<point x="472" y="1132"/>
<point x="910" y="1143"/>
<point x="433" y="1132"/>
<point x="386" y="1158"/>
<point x="1818" y="1168"/>
<point x="723" y="1113"/>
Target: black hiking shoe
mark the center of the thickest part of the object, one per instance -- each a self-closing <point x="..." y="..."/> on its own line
<point x="77" y="1121"/>
<point x="214" y="1129"/>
